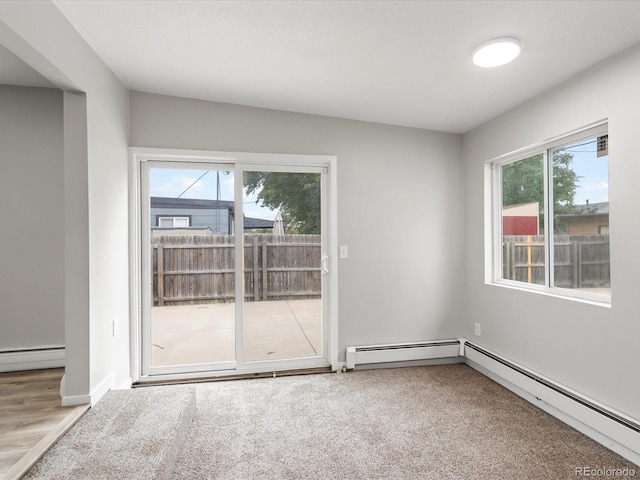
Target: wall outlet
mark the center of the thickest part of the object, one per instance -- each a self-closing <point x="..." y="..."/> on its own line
<point x="477" y="330"/>
<point x="116" y="327"/>
<point x="344" y="251"/>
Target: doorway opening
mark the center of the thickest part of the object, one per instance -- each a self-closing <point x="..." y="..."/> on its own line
<point x="235" y="264"/>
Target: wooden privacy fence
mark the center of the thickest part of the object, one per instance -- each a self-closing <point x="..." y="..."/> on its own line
<point x="580" y="261"/>
<point x="191" y="269"/>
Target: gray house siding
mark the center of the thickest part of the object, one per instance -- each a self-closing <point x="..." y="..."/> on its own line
<point x="213" y="214"/>
<point x="215" y="219"/>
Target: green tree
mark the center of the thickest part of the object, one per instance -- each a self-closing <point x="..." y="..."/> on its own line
<point x="296" y="195"/>
<point x="523" y="182"/>
<point x="565" y="181"/>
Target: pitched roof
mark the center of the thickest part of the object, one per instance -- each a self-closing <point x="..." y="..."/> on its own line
<point x="601" y="208"/>
<point x="167" y="202"/>
<point x="253" y="223"/>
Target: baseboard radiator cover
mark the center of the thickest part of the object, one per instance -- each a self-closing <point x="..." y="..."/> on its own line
<point x="35" y="358"/>
<point x="401" y="352"/>
<point x="613" y="429"/>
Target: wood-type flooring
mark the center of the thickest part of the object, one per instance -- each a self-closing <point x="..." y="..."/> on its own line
<point x="31" y="418"/>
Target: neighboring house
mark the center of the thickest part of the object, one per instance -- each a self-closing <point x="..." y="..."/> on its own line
<point x="590" y="219"/>
<point x="216" y="215"/>
<point x="521" y="219"/>
<point x="257" y="224"/>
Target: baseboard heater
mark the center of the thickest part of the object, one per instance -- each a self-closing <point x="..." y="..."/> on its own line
<point x="401" y="352"/>
<point x="612" y="429"/>
<point x="585" y="402"/>
<point x="34" y="358"/>
<point x="476" y="356"/>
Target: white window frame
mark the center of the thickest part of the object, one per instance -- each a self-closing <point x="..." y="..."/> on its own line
<point x="165" y="217"/>
<point x="493" y="217"/>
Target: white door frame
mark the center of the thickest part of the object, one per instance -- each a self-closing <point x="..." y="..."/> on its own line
<point x="243" y="161"/>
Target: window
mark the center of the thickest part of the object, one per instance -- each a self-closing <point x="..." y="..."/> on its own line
<point x="173" y="222"/>
<point x="551" y="217"/>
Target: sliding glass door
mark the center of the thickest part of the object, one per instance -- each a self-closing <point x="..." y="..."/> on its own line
<point x="190" y="285"/>
<point x="234" y="265"/>
<point x="283" y="266"/>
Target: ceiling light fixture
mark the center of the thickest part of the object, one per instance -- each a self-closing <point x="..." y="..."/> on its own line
<point x="496" y="52"/>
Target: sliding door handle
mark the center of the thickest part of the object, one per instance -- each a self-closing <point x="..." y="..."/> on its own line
<point x="324" y="264"/>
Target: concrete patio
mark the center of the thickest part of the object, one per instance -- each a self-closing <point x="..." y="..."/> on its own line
<point x="194" y="334"/>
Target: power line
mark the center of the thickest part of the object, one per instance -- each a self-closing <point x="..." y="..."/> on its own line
<point x="578" y="144"/>
<point x="185" y="191"/>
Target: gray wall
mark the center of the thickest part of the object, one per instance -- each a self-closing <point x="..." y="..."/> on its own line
<point x="592" y="349"/>
<point x="399" y="205"/>
<point x="96" y="263"/>
<point x="32" y="213"/>
<point x="402" y="195"/>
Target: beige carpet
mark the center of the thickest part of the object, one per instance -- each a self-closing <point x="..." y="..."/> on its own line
<point x="438" y="422"/>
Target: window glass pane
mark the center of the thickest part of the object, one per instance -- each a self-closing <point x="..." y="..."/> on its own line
<point x="165" y="222"/>
<point x="523" y="245"/>
<point x="283" y="272"/>
<point x="192" y="293"/>
<point x="581" y="215"/>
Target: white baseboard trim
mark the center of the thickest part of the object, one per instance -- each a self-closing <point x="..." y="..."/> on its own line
<point x="32" y="359"/>
<point x="605" y="430"/>
<point x="108" y="383"/>
<point x="72" y="401"/>
<point x="126" y="385"/>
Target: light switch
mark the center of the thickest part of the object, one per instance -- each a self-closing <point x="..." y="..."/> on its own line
<point x="344" y="251"/>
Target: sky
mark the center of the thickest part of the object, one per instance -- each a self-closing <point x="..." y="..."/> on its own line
<point x="594" y="184"/>
<point x="171" y="182"/>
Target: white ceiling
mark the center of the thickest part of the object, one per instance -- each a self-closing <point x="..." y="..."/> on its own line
<point x="396" y="62"/>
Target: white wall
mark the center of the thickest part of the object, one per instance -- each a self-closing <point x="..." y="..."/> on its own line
<point x="592" y="349"/>
<point x="399" y="206"/>
<point x="32" y="213"/>
<point x="96" y="203"/>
